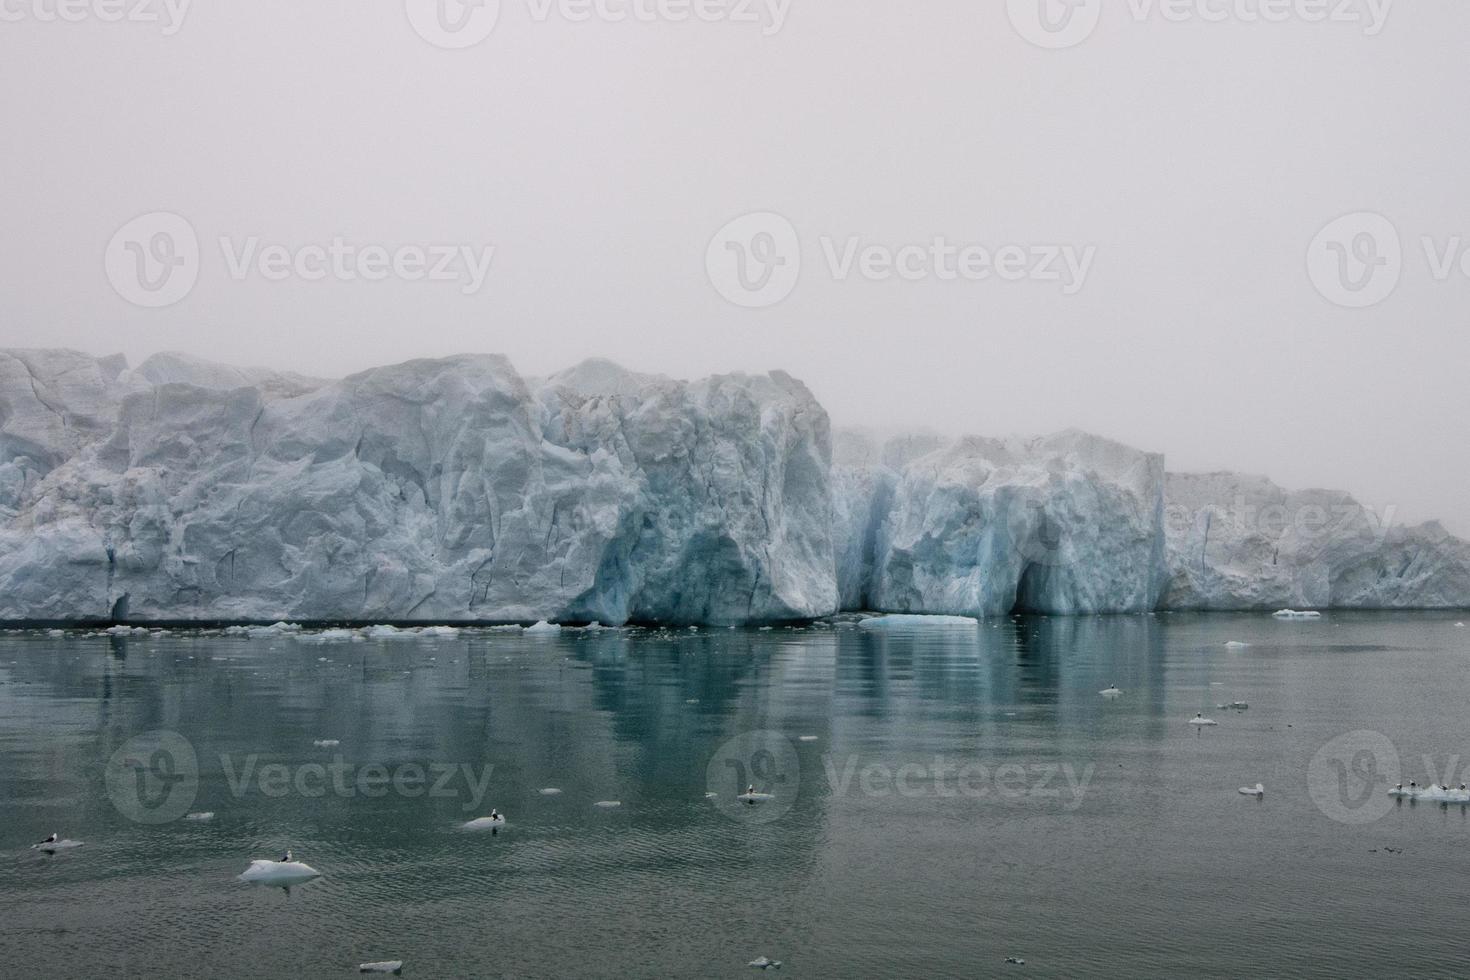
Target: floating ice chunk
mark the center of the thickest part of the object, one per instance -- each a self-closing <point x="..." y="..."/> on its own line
<point x="202" y="816"/>
<point x="754" y="798"/>
<point x="1202" y="722"/>
<point x="543" y="628"/>
<point x="807" y="738"/>
<point x="608" y="804"/>
<point x="551" y="791"/>
<point x="1015" y="961"/>
<point x="711" y="796"/>
<point x="485" y="823"/>
<point x="1112" y="692"/>
<point x="1258" y="790"/>
<point x="1236" y="645"/>
<point x="327" y="743"/>
<point x="52" y="846"/>
<point x="1234" y="706"/>
<point x="126" y="631"/>
<point x="283" y="873"/>
<point x="1431" y="794"/>
<point x="56" y="632"/>
<point x="511" y="628"/>
<point x="443" y="632"/>
<point x="765" y="963"/>
<point x="386" y="966"/>
<point x="1294" y="614"/>
<point x="275" y="629"/>
<point x="916" y="622"/>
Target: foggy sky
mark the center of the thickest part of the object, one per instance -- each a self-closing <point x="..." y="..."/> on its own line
<point x="1199" y="159"/>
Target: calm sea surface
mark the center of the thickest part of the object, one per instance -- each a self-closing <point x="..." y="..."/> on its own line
<point x="941" y="800"/>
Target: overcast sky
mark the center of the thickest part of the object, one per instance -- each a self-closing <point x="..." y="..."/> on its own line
<point x="1153" y="186"/>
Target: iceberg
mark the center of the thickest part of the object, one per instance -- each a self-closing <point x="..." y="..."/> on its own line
<point x="916" y="622"/>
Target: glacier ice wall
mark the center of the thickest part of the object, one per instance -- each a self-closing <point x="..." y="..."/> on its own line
<point x="434" y="490"/>
<point x="1065" y="524"/>
<point x="457" y="490"/>
<point x="1241" y="542"/>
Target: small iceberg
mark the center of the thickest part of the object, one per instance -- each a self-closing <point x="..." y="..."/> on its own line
<point x="54" y="843"/>
<point x="1294" y="614"/>
<point x="1236" y="645"/>
<point x="916" y="622"/>
<point x="1258" y="790"/>
<point x="550" y="791"/>
<point x="1233" y="706"/>
<point x="1015" y="961"/>
<point x="1200" y="721"/>
<point x="753" y="798"/>
<point x="1112" y="692"/>
<point x="807" y="738"/>
<point x="493" y="822"/>
<point x="543" y="628"/>
<point x="608" y="804"/>
<point x="327" y="743"/>
<point x="765" y="963"/>
<point x="204" y="816"/>
<point x="1431" y="794"/>
<point x="280" y="873"/>
<point x="445" y="632"/>
<point x="386" y="966"/>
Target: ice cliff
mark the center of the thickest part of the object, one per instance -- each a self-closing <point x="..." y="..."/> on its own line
<point x="1066" y="524"/>
<point x="456" y="490"/>
<point x="450" y="490"/>
<point x="1241" y="542"/>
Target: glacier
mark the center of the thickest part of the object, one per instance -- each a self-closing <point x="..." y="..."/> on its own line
<point x="456" y="490"/>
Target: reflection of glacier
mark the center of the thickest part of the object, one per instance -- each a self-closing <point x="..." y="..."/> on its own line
<point x="456" y="490"/>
